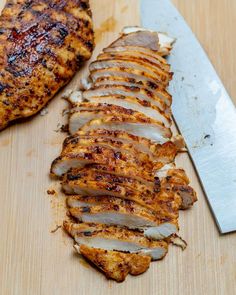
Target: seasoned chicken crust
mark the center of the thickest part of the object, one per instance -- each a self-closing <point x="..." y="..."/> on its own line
<point x="42" y="44"/>
<point x="118" y="164"/>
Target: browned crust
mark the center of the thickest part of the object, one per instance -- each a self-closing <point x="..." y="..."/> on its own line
<point x="116" y="265"/>
<point x="41" y="46"/>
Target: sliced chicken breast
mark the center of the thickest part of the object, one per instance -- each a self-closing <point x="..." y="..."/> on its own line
<point x="135" y="57"/>
<point x="153" y="182"/>
<point x="131" y="67"/>
<point x="140" y="143"/>
<point x="177" y="181"/>
<point x="115" y="238"/>
<point x="115" y="265"/>
<point x="165" y="42"/>
<point x="125" y="162"/>
<point x="90" y="173"/>
<point x="144" y="107"/>
<point x="90" y="184"/>
<point x="164" y="153"/>
<point x="124" y="213"/>
<point x="117" y="167"/>
<point x="139" y="51"/>
<point x="63" y="164"/>
<point x="120" y="78"/>
<point x="73" y="143"/>
<point x="94" y="183"/>
<point x="86" y="112"/>
<point x="117" y="72"/>
<point x="138" y="38"/>
<point x="131" y="91"/>
<point x="113" y="123"/>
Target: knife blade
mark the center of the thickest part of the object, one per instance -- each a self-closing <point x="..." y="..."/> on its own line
<point x="202" y="109"/>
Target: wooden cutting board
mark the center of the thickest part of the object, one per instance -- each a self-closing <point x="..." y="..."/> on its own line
<point x="34" y="261"/>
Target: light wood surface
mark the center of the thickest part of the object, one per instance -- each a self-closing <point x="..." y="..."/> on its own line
<point x="214" y="22"/>
<point x="34" y="261"/>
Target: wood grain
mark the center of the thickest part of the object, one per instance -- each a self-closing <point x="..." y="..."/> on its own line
<point x="213" y="22"/>
<point x="35" y="261"/>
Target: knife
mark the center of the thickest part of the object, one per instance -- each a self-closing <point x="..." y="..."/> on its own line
<point x="202" y="109"/>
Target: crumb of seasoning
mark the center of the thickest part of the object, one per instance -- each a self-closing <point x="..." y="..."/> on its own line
<point x="51" y="192"/>
<point x="64" y="128"/>
<point x="55" y="229"/>
<point x="207" y="136"/>
<point x="182" y="79"/>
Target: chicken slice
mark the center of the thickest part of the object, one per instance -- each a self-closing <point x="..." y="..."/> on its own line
<point x="174" y="186"/>
<point x="92" y="173"/>
<point x="124" y="162"/>
<point x="114" y="238"/>
<point x="131" y="67"/>
<point x="63" y="164"/>
<point x="162" y="153"/>
<point x="97" y="183"/>
<point x="139" y="51"/>
<point x="140" y="143"/>
<point x="152" y="182"/>
<point x="131" y="91"/>
<point x="85" y="112"/>
<point x="102" y="78"/>
<point x="115" y="211"/>
<point x="140" y="37"/>
<point x="93" y="183"/>
<point x="165" y="42"/>
<point x="72" y="145"/>
<point x="113" y="123"/>
<point x="144" y="107"/>
<point x="177" y="181"/>
<point x="115" y="265"/>
<point x="118" y="71"/>
<point x="134" y="57"/>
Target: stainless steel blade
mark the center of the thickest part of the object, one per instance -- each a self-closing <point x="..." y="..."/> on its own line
<point x="202" y="109"/>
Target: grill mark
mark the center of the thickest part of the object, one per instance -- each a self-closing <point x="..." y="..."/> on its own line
<point x="17" y="59"/>
<point x="71" y="176"/>
<point x="24" y="39"/>
<point x="29" y="45"/>
<point x="3" y="87"/>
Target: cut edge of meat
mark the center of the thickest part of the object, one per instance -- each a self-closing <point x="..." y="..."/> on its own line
<point x="115" y="265"/>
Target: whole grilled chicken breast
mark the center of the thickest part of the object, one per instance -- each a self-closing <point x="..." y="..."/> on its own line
<point x="42" y="44"/>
